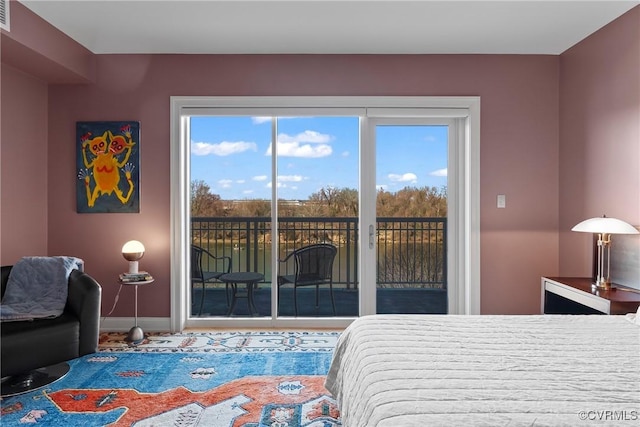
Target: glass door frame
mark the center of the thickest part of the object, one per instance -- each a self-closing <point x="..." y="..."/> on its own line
<point x="464" y="294"/>
<point x="368" y="196"/>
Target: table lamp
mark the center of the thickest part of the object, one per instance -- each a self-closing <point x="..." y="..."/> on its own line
<point x="604" y="227"/>
<point x="132" y="251"/>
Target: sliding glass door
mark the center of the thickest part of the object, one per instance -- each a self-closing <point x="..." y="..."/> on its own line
<point x="318" y="179"/>
<point x="230" y="214"/>
<point x="411" y="215"/>
<point x="236" y="174"/>
<point x="315" y="178"/>
<point x="388" y="190"/>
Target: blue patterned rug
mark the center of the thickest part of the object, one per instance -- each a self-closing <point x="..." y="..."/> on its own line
<point x="272" y="379"/>
<point x="223" y="342"/>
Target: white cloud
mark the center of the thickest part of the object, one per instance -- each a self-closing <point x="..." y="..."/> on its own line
<point x="224" y="148"/>
<point x="439" y="172"/>
<point x="225" y="183"/>
<point x="306" y="136"/>
<point x="284" y="180"/>
<point x="290" y="178"/>
<point x="430" y="138"/>
<point x="405" y="177"/>
<point x="240" y="181"/>
<point x="345" y="154"/>
<point x="307" y="144"/>
<point x="260" y="178"/>
<point x="294" y="149"/>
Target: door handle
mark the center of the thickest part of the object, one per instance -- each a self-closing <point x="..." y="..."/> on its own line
<point x="371" y="237"/>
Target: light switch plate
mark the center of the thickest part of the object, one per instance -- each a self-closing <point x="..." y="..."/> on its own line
<point x="502" y="201"/>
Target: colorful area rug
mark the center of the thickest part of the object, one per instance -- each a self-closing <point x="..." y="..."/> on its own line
<point x="256" y="379"/>
<point x="222" y="342"/>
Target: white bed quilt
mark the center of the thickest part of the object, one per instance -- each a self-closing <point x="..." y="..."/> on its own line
<point x="437" y="370"/>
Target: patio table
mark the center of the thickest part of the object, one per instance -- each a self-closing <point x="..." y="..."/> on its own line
<point x="249" y="278"/>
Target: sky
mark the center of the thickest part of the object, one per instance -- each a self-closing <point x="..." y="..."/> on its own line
<point x="233" y="155"/>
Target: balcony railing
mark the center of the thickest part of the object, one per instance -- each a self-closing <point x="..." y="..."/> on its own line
<point x="411" y="252"/>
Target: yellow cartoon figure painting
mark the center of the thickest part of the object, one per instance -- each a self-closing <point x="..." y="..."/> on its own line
<point x="107" y="161"/>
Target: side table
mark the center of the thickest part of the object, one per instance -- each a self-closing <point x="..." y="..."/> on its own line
<point x="574" y="295"/>
<point x="135" y="333"/>
<point x="250" y="279"/>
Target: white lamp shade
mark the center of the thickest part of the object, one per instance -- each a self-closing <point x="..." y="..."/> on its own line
<point x="133" y="250"/>
<point x="605" y="225"/>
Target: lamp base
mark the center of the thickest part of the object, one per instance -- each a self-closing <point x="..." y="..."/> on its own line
<point x="601" y="286"/>
<point x="33" y="380"/>
<point x="135" y="335"/>
<point x="133" y="267"/>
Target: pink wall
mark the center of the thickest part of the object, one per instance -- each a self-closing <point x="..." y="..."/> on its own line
<point x="519" y="154"/>
<point x="522" y="146"/>
<point x="519" y="151"/>
<point x="24" y="165"/>
<point x="599" y="135"/>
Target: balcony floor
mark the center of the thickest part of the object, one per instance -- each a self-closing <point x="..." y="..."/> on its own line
<point x="389" y="301"/>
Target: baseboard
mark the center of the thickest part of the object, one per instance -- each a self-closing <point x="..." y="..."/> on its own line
<point x="123" y="324"/>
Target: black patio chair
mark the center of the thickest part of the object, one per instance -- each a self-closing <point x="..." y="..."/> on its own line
<point x="313" y="267"/>
<point x="201" y="262"/>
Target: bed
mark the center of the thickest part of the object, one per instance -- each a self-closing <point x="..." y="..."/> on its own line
<point x="455" y="370"/>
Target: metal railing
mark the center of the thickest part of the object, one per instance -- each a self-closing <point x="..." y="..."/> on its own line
<point x="411" y="252"/>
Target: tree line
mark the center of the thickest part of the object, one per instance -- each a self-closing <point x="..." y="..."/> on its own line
<point x="416" y="202"/>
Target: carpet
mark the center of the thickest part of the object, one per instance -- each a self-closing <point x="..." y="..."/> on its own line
<point x="253" y="379"/>
<point x="216" y="342"/>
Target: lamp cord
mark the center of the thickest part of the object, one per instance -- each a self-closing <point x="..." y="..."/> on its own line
<point x="115" y="302"/>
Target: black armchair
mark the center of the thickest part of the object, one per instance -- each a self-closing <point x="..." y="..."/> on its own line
<point x="201" y="271"/>
<point x="313" y="266"/>
<point x="33" y="344"/>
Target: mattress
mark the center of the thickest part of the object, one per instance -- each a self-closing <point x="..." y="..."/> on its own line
<point x="455" y="370"/>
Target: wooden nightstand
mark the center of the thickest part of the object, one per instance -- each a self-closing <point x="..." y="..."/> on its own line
<point x="573" y="295"/>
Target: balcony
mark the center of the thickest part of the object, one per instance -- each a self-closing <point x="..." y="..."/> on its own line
<point x="411" y="261"/>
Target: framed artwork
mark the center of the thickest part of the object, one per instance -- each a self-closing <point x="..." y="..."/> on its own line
<point x="107" y="163"/>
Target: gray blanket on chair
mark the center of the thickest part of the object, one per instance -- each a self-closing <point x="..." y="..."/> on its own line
<point x="38" y="287"/>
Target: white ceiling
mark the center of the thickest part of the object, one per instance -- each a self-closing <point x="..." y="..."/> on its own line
<point x="315" y="27"/>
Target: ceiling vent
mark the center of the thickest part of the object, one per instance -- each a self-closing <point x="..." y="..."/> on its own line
<point x="4" y="15"/>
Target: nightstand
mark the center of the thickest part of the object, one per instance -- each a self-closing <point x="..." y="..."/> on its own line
<point x="573" y="295"/>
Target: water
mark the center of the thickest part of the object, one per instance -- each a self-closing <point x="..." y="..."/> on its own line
<point x="422" y="265"/>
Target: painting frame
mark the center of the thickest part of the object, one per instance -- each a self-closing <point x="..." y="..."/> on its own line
<point x="108" y="166"/>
